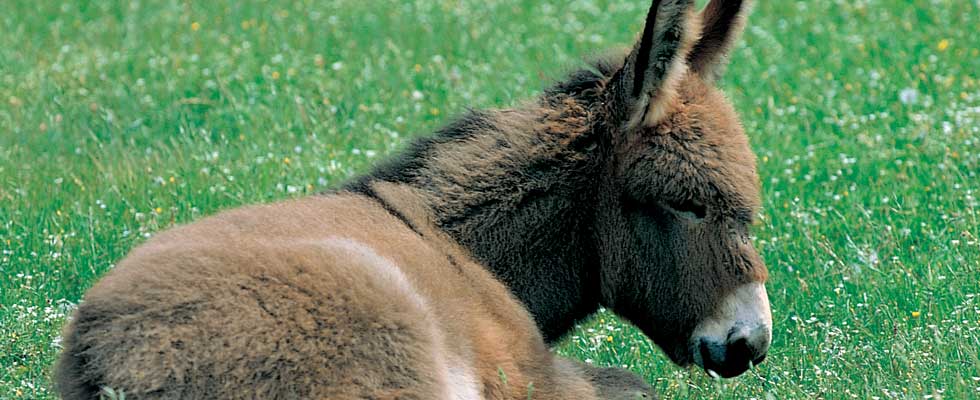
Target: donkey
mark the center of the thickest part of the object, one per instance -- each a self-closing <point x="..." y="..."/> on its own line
<point x="448" y="271"/>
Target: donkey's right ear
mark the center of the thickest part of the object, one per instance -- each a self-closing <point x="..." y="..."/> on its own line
<point x="644" y="88"/>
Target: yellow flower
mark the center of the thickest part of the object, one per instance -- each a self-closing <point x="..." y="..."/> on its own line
<point x="195" y="26"/>
<point x="418" y="68"/>
<point x="275" y="75"/>
<point x="158" y="210"/>
<point x="943" y="45"/>
<point x="609" y="339"/>
<point x="286" y="160"/>
<point x="172" y="179"/>
<point x="916" y="314"/>
<point x="434" y="111"/>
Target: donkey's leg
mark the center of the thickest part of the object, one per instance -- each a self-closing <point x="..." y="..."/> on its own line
<point x="612" y="383"/>
<point x="619" y="384"/>
<point x="291" y="325"/>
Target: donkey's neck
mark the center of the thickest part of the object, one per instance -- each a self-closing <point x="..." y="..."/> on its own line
<point x="515" y="188"/>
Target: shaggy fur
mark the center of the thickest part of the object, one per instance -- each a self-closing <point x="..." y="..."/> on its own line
<point x="446" y="272"/>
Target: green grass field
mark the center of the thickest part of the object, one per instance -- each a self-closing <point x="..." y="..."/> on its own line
<point x="122" y="118"/>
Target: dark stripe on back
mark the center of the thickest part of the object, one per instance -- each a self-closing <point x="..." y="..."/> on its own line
<point x="363" y="188"/>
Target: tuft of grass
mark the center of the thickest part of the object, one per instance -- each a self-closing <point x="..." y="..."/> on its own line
<point x="119" y="119"/>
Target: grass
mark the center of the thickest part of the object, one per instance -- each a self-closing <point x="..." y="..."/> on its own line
<point x="119" y="119"/>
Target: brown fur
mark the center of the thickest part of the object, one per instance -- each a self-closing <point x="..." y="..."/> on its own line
<point x="477" y="248"/>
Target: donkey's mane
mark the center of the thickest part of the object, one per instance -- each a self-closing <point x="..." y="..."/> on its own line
<point x="402" y="167"/>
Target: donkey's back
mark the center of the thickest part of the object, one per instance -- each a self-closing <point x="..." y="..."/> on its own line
<point x="329" y="297"/>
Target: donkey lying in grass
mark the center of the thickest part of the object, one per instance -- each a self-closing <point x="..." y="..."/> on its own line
<point x="447" y="272"/>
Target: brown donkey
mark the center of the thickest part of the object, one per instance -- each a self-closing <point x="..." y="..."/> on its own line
<point x="448" y="271"/>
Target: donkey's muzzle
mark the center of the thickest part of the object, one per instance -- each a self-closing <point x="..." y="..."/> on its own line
<point x="737" y="336"/>
<point x="744" y="348"/>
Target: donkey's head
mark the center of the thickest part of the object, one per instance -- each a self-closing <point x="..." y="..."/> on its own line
<point x="679" y="194"/>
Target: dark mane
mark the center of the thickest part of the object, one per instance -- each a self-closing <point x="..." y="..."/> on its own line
<point x="403" y="166"/>
<point x="583" y="85"/>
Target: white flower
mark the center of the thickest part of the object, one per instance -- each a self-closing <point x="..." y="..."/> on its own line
<point x="909" y="96"/>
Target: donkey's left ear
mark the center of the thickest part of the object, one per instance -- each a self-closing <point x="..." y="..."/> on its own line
<point x="644" y="88"/>
<point x="722" y="22"/>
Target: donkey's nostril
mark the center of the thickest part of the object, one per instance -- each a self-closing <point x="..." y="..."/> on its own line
<point x="739" y="350"/>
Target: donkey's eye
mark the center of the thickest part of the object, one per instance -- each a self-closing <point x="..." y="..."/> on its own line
<point x="688" y="208"/>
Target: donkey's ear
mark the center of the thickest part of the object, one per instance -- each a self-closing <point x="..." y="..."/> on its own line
<point x="722" y="22"/>
<point x="643" y="89"/>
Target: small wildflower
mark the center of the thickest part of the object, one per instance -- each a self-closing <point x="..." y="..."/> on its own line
<point x="418" y="68"/>
<point x="908" y="96"/>
<point x="916" y="314"/>
<point x="609" y="339"/>
<point x="943" y="45"/>
<point x="158" y="210"/>
<point x="195" y="26"/>
<point x="286" y="160"/>
<point x="275" y="75"/>
<point x="172" y="179"/>
<point x="434" y="111"/>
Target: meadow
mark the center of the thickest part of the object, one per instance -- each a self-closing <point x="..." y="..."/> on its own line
<point x="122" y="118"/>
